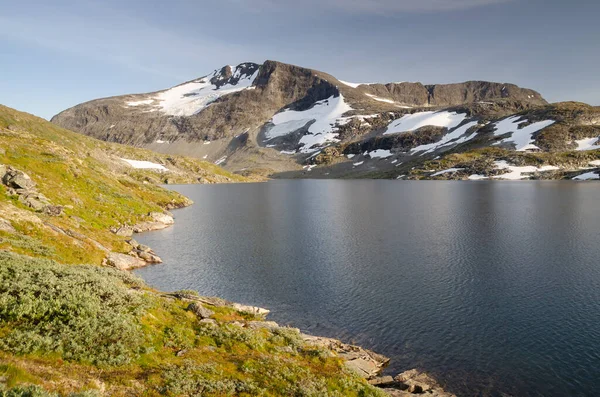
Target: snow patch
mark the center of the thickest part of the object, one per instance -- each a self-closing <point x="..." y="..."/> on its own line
<point x="477" y="177"/>
<point x="353" y="85"/>
<point x="350" y="155"/>
<point x="411" y="122"/>
<point x="357" y="164"/>
<point x="449" y="170"/>
<point x="140" y="103"/>
<point x="141" y="164"/>
<point x="587" y="176"/>
<point x="190" y="98"/>
<point x="324" y="115"/>
<point x="288" y="152"/>
<point x="587" y="144"/>
<point x="516" y="172"/>
<point x="521" y="138"/>
<point x="453" y="137"/>
<point x="221" y="160"/>
<point x="380" y="153"/>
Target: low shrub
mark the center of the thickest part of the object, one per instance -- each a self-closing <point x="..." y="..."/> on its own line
<point x="84" y="313"/>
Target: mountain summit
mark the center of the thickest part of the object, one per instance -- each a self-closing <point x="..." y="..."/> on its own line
<point x="285" y="120"/>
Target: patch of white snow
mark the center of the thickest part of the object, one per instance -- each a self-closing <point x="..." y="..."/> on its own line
<point x="587" y="144"/>
<point x="411" y="122"/>
<point x="521" y="138"/>
<point x="141" y="164"/>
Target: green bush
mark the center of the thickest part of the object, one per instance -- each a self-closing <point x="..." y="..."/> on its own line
<point x="84" y="313"/>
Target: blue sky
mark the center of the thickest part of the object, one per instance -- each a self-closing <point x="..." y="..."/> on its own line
<point x="56" y="55"/>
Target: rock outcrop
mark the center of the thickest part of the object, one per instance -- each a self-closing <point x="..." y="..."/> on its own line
<point x="19" y="184"/>
<point x="409" y="383"/>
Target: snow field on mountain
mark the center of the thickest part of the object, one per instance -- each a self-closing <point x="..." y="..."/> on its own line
<point x="140" y="164"/>
<point x="190" y="98"/>
<point x="411" y="122"/>
<point x="521" y="138"/>
<point x="517" y="172"/>
<point x="324" y="115"/>
<point x="453" y="137"/>
<point x="587" y="144"/>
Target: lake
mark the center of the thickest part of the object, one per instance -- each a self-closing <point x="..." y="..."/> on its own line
<point x="492" y="287"/>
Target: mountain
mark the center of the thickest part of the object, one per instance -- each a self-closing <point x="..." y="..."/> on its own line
<point x="283" y="120"/>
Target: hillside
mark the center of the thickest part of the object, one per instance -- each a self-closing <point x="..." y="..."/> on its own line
<point x="283" y="120"/>
<point x="72" y="323"/>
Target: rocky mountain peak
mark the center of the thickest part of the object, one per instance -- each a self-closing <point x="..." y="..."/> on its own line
<point x="228" y="75"/>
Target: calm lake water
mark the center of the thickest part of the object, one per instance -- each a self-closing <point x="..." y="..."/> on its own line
<point x="493" y="287"/>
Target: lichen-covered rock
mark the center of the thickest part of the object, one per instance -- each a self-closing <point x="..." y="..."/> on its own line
<point x="200" y="311"/>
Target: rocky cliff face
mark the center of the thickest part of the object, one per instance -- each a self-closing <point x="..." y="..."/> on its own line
<point x="281" y="119"/>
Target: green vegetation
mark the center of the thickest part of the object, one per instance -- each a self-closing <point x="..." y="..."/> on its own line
<point x="69" y="327"/>
<point x="117" y="333"/>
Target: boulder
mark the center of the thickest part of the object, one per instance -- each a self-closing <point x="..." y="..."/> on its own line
<point x="148" y="257"/>
<point x="124" y="261"/>
<point x="162" y="218"/>
<point x="124" y="231"/>
<point x="382" y="381"/>
<point x="149" y="226"/>
<point x="33" y="202"/>
<point x="417" y="382"/>
<point x="53" y="210"/>
<point x="5" y="226"/>
<point x="17" y="179"/>
<point x="257" y="311"/>
<point x="200" y="311"/>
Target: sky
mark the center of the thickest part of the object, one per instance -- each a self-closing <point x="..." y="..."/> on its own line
<point x="56" y="54"/>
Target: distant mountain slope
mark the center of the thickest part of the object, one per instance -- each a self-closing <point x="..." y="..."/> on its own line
<point x="285" y="120"/>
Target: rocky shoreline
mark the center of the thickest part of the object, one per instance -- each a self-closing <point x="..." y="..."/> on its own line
<point x="365" y="363"/>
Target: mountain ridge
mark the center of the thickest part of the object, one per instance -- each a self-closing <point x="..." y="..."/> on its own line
<point x="276" y="119"/>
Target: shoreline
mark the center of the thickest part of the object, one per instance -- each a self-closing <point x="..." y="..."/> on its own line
<point x="365" y="363"/>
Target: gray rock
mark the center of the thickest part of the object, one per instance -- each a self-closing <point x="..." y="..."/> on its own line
<point x="149" y="226"/>
<point x="17" y="179"/>
<point x="53" y="210"/>
<point x="124" y="261"/>
<point x="200" y="310"/>
<point x="257" y="311"/>
<point x="6" y="226"/>
<point x="365" y="363"/>
<point x="124" y="231"/>
<point x="382" y="381"/>
<point x="148" y="257"/>
<point x="162" y="218"/>
<point x="208" y="321"/>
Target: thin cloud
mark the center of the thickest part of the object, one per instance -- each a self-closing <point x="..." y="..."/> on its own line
<point x="382" y="7"/>
<point x="120" y="40"/>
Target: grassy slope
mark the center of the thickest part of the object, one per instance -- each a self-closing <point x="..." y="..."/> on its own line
<point x="68" y="325"/>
